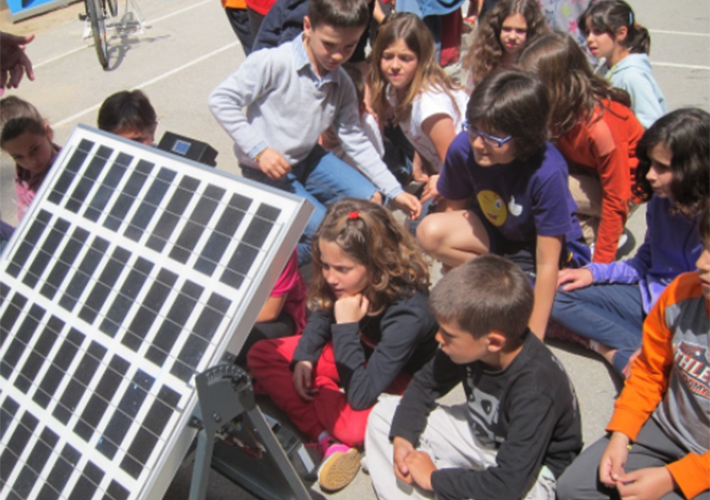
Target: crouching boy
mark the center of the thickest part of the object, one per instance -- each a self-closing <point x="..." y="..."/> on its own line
<point x="520" y="425"/>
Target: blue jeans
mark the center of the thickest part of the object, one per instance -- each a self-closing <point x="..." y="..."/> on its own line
<point x="611" y="314"/>
<point x="321" y="178"/>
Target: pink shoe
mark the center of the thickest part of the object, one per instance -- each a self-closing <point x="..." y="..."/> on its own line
<point x="340" y="464"/>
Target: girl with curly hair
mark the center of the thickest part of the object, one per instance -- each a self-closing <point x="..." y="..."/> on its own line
<point x="369" y="331"/>
<point x="500" y="36"/>
<point x="409" y="89"/>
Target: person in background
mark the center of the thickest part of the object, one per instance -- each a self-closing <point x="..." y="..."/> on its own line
<point x="622" y="45"/>
<point x="594" y="129"/>
<point x="27" y="137"/>
<point x="236" y="11"/>
<point x="409" y="89"/>
<point x="129" y="114"/>
<point x="500" y="36"/>
<point x="14" y="63"/>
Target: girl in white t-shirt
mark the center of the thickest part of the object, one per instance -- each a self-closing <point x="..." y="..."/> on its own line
<point x="409" y="88"/>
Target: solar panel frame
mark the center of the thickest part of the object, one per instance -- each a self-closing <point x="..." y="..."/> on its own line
<point x="124" y="256"/>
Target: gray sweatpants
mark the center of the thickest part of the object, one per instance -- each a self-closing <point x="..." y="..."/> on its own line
<point x="448" y="441"/>
<point x="652" y="448"/>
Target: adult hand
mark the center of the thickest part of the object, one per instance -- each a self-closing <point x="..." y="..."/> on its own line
<point x="402" y="449"/>
<point x="273" y="164"/>
<point x="574" y="278"/>
<point x="611" y="465"/>
<point x="409" y="203"/>
<point x="14" y="63"/>
<point x="430" y="191"/>
<point x="645" y="484"/>
<point x="351" y="309"/>
<point x="421" y="467"/>
<point x="303" y="380"/>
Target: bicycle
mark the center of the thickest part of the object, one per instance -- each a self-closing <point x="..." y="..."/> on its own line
<point x="97" y="11"/>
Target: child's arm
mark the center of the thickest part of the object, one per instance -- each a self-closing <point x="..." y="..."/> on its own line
<point x="271" y="309"/>
<point x="254" y="78"/>
<point x="547" y="256"/>
<point x="611" y="154"/>
<point x="531" y="421"/>
<point x="432" y="381"/>
<point x="648" y="385"/>
<point x="363" y="153"/>
<point x="403" y="327"/>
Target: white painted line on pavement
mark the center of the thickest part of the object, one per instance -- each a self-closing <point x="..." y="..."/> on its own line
<point x="154" y="21"/>
<point x="683" y="33"/>
<point x="85" y="111"/>
<point x="167" y="16"/>
<point x="684" y="66"/>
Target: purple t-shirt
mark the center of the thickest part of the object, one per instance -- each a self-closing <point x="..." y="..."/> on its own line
<point x="520" y="200"/>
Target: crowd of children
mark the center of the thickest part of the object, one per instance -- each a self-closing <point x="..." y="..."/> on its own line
<point x="530" y="168"/>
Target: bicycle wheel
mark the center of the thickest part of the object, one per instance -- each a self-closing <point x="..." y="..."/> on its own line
<point x="112" y="7"/>
<point x="98" y="29"/>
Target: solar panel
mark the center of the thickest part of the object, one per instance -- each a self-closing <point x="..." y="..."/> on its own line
<point x="133" y="271"/>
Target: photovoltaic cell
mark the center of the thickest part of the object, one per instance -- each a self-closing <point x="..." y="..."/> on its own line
<point x="128" y="276"/>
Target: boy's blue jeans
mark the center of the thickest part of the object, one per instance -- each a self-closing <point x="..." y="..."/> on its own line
<point x="321" y="178"/>
<point x="611" y="314"/>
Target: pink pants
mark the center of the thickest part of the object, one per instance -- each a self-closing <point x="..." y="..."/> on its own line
<point x="329" y="410"/>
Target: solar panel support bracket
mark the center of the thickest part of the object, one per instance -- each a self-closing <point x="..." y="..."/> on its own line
<point x="225" y="394"/>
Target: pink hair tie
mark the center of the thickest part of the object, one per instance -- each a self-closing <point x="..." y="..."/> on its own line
<point x="353" y="215"/>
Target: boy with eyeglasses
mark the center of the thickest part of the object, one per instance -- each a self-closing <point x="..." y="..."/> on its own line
<point x="505" y="190"/>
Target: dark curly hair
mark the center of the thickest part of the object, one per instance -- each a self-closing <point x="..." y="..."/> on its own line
<point x="513" y="103"/>
<point x="686" y="133"/>
<point x="486" y="52"/>
<point x="574" y="91"/>
<point x="372" y="237"/>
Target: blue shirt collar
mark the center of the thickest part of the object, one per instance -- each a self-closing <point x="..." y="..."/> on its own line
<point x="302" y="61"/>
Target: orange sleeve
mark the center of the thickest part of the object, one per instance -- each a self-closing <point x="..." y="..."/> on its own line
<point x="692" y="473"/>
<point x="609" y="148"/>
<point x="234" y="4"/>
<point x="649" y="373"/>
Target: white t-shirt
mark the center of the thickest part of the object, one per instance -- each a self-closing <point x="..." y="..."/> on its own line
<point x="426" y="104"/>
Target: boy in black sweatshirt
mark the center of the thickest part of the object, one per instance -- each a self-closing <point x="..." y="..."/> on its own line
<point x="520" y="425"/>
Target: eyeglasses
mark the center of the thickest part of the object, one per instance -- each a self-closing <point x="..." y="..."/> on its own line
<point x="491" y="140"/>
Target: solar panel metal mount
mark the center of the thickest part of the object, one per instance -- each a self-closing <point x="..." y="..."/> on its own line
<point x="225" y="396"/>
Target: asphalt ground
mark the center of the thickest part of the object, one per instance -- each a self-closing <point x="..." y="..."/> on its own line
<point x="187" y="48"/>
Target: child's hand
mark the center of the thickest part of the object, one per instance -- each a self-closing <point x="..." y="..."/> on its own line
<point x="402" y="449"/>
<point x="409" y="203"/>
<point x="575" y="278"/>
<point x="351" y="309"/>
<point x="611" y="465"/>
<point x="273" y="164"/>
<point x="420" y="468"/>
<point x="645" y="484"/>
<point x="430" y="191"/>
<point x="303" y="379"/>
<point x="626" y="372"/>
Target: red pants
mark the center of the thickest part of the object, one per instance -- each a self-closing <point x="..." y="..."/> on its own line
<point x="269" y="362"/>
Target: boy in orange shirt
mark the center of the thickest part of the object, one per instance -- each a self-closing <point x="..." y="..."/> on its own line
<point x="658" y="446"/>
